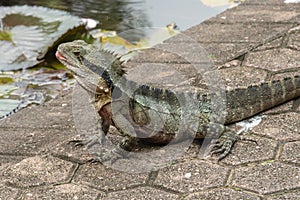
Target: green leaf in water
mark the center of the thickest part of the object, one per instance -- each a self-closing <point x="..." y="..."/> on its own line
<point x="29" y="31"/>
<point x="4" y="35"/>
<point x="5" y="80"/>
<point x="7" y="105"/>
<point x="134" y="39"/>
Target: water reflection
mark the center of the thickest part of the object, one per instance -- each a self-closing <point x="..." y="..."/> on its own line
<point x="115" y="15"/>
<point x="120" y="15"/>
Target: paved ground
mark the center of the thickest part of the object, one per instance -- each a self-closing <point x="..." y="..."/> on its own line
<point x="256" y="41"/>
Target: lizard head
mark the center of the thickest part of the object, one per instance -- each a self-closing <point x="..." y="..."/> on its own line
<point x="82" y="60"/>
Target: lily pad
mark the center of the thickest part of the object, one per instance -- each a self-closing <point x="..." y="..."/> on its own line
<point x="131" y="40"/>
<point x="7" y="105"/>
<point x="27" y="32"/>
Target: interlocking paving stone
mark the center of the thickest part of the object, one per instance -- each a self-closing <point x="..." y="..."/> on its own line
<point x="242" y="76"/>
<point x="258" y="13"/>
<point x="142" y="193"/>
<point x="285" y="127"/>
<point x="222" y="194"/>
<point x="290" y="152"/>
<point x="287" y="196"/>
<point x="276" y="43"/>
<point x="8" y="193"/>
<point x="40" y="117"/>
<point x="192" y="176"/>
<point x="35" y="171"/>
<point x="187" y="52"/>
<point x="227" y="33"/>
<point x="250" y="151"/>
<point x="265" y="2"/>
<point x="225" y="51"/>
<point x="267" y="177"/>
<point x="7" y="159"/>
<point x="104" y="178"/>
<point x="65" y="191"/>
<point x="28" y="141"/>
<point x="294" y="39"/>
<point x="274" y="59"/>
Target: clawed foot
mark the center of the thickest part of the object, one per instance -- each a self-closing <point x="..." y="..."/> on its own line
<point x="223" y="144"/>
<point x="90" y="141"/>
<point x="109" y="155"/>
<point x="104" y="152"/>
<point x="120" y="151"/>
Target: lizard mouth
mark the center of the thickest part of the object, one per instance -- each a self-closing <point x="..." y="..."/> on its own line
<point x="60" y="56"/>
<point x="64" y="61"/>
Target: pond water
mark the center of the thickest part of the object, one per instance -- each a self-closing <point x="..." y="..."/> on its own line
<point x="112" y="15"/>
<point x="122" y="15"/>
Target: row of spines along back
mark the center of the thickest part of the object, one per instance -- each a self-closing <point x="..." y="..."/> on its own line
<point x="240" y="102"/>
<point x="284" y="89"/>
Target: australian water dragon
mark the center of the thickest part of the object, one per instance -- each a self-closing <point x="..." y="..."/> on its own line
<point x="100" y="72"/>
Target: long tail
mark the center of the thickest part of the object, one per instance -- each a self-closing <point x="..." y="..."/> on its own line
<point x="246" y="102"/>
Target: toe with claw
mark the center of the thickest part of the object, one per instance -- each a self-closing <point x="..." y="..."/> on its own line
<point x="222" y="146"/>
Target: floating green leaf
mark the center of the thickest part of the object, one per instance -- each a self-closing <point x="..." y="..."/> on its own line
<point x="6" y="79"/>
<point x="6" y="105"/>
<point x="28" y="32"/>
<point x="5" y="36"/>
<point x="134" y="39"/>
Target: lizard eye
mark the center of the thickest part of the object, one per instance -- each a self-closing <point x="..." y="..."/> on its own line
<point x="78" y="52"/>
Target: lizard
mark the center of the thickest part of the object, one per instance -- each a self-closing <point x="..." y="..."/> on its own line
<point x="101" y="73"/>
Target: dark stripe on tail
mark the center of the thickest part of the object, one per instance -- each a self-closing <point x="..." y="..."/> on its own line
<point x="246" y="102"/>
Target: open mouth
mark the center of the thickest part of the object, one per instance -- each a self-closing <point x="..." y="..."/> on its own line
<point x="60" y="56"/>
<point x="65" y="62"/>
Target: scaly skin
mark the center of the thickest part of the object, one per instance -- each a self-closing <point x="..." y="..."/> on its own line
<point x="100" y="72"/>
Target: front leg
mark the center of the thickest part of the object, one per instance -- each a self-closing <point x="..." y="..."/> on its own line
<point x="100" y="129"/>
<point x="109" y="151"/>
<point x="98" y="145"/>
